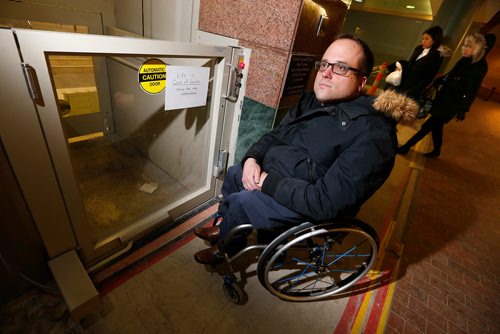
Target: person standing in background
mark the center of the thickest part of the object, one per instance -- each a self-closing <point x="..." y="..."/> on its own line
<point x="423" y="65"/>
<point x="456" y="94"/>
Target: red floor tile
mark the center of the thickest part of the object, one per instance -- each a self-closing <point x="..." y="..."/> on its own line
<point x="450" y="278"/>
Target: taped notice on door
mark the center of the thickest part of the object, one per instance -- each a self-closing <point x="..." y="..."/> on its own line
<point x="187" y="87"/>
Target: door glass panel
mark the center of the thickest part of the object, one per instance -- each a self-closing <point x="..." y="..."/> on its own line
<point x="142" y="158"/>
<point x="73" y="76"/>
<point x="76" y="84"/>
<point x="77" y="94"/>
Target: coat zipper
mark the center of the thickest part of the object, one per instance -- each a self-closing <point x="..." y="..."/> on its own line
<point x="310" y="172"/>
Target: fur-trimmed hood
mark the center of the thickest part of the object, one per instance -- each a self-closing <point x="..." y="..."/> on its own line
<point x="478" y="43"/>
<point x="445" y="51"/>
<point x="396" y="106"/>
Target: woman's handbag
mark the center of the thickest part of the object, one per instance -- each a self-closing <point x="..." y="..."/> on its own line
<point x="425" y="101"/>
<point x="394" y="78"/>
<point x="425" y="107"/>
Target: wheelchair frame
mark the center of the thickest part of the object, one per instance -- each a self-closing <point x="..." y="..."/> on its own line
<point x="308" y="262"/>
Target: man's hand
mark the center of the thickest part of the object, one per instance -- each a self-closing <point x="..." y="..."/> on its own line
<point x="262" y="178"/>
<point x="251" y="174"/>
<point x="460" y="117"/>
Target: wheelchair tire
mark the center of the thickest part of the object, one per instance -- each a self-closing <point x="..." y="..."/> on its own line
<point x="311" y="262"/>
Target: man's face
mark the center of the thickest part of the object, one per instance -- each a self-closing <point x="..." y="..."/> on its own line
<point x="329" y="86"/>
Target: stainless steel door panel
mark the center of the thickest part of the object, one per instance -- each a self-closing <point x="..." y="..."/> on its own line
<point x="111" y="181"/>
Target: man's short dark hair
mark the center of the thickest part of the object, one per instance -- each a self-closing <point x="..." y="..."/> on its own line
<point x="367" y="59"/>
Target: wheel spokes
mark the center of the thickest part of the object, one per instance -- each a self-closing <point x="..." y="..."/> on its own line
<point x="314" y="273"/>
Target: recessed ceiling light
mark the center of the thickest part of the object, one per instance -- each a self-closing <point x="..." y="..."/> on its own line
<point x="410" y="7"/>
<point x="358" y="0"/>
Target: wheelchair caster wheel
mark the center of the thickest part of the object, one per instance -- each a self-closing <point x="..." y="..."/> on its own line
<point x="233" y="292"/>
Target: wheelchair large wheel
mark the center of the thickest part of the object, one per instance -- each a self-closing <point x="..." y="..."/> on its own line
<point x="312" y="262"/>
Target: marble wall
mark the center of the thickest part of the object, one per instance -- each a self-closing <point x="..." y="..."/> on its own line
<point x="256" y="119"/>
<point x="265" y="26"/>
<point x="268" y="28"/>
<point x="311" y="40"/>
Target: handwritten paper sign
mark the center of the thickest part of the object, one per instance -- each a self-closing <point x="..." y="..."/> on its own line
<point x="187" y="87"/>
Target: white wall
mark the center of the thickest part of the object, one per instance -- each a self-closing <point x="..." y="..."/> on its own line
<point x="128" y="16"/>
<point x="104" y="7"/>
<point x="171" y="20"/>
<point x="393" y="40"/>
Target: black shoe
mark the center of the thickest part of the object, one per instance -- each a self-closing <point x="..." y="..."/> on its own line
<point x="432" y="154"/>
<point x="403" y="149"/>
<point x="210" y="255"/>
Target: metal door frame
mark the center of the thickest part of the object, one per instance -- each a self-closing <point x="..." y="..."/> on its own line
<point x="41" y="162"/>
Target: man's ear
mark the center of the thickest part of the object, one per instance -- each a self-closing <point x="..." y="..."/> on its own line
<point x="362" y="83"/>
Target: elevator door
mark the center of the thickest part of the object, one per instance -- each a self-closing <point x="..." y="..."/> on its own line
<point x="143" y="166"/>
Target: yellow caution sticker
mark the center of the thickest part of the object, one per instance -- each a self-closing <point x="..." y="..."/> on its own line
<point x="152" y="76"/>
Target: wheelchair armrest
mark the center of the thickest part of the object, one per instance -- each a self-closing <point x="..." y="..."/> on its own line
<point x="239" y="229"/>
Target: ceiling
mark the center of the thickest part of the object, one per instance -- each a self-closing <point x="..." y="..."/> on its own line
<point x="421" y="8"/>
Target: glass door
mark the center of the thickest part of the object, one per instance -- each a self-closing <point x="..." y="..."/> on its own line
<point x="76" y="77"/>
<point x="124" y="164"/>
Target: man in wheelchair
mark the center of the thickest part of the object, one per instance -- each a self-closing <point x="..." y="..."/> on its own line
<point x="328" y="155"/>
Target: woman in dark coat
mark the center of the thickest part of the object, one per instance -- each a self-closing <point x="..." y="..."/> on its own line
<point x="423" y="65"/>
<point x="456" y="94"/>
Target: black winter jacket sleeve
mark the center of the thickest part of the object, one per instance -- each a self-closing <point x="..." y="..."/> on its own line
<point x="348" y="183"/>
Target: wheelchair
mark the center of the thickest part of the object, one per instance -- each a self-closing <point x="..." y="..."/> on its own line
<point x="307" y="262"/>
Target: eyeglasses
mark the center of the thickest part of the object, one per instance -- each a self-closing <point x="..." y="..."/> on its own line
<point x="337" y="68"/>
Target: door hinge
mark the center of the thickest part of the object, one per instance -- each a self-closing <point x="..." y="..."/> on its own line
<point x="221" y="167"/>
<point x="32" y="83"/>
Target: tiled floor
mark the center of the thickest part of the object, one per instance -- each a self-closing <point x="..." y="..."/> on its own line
<point x="450" y="273"/>
<point x="440" y="215"/>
